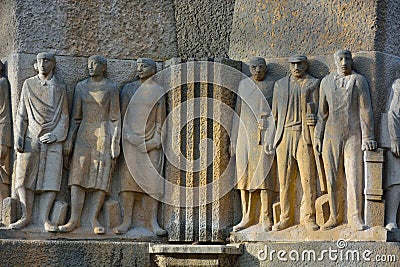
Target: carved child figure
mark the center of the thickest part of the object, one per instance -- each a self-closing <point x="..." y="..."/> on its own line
<point x="248" y="145"/>
<point x="40" y="130"/>
<point x="94" y="136"/>
<point x="142" y="139"/>
<point x="345" y="128"/>
<point x="5" y="136"/>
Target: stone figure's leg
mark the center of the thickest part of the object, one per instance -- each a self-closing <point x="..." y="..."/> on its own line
<point x="4" y="192"/>
<point x="392" y="200"/>
<point x="247" y="203"/>
<point x="77" y="201"/>
<point x="266" y="209"/>
<point x="127" y="199"/>
<point x="307" y="169"/>
<point x="26" y="198"/>
<point x="98" y="199"/>
<point x="48" y="200"/>
<point x="152" y="205"/>
<point x="287" y="172"/>
<point x="333" y="162"/>
<point x="353" y="166"/>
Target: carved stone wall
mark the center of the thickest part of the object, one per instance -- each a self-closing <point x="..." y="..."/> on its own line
<point x="115" y="29"/>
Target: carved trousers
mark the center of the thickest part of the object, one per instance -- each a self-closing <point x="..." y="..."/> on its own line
<point x="343" y="162"/>
<point x="295" y="156"/>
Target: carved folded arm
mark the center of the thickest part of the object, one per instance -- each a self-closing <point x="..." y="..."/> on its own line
<point x="61" y="130"/>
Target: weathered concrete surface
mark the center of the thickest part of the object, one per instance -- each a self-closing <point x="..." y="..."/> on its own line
<point x="7" y="28"/>
<point x="281" y="28"/>
<point x="203" y="27"/>
<point x="388" y="23"/>
<point x="351" y="254"/>
<point x="73" y="253"/>
<point x="114" y="29"/>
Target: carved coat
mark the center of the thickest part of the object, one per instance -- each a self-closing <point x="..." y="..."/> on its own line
<point x="143" y="123"/>
<point x="96" y="112"/>
<point x="253" y="165"/>
<point x="308" y="94"/>
<point x="5" y="131"/>
<point x="393" y="164"/>
<point x="42" y="109"/>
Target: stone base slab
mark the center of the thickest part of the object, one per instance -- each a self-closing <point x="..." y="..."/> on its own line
<point x="110" y="253"/>
<point x="300" y="233"/>
<point x="36" y="232"/>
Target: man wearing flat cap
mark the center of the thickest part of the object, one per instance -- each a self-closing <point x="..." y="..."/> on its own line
<point x="293" y="97"/>
<point x="41" y="127"/>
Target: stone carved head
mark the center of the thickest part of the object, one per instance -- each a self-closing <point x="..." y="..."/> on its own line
<point x="97" y="65"/>
<point x="343" y="61"/>
<point x="298" y="65"/>
<point x="146" y="67"/>
<point x="258" y="68"/>
<point x="45" y="63"/>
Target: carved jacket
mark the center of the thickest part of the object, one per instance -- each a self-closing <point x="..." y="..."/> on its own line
<point x="345" y="111"/>
<point x="308" y="94"/>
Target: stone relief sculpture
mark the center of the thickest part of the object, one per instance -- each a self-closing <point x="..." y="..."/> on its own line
<point x="247" y="144"/>
<point x="293" y="141"/>
<point x="40" y="130"/>
<point x="345" y="127"/>
<point x="142" y="138"/>
<point x="5" y="136"/>
<point x="94" y="136"/>
<point x="392" y="184"/>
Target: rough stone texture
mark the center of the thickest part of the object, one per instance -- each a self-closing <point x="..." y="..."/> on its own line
<point x="115" y="29"/>
<point x="73" y="253"/>
<point x="7" y="28"/>
<point x="388" y="23"/>
<point x="280" y="28"/>
<point x="203" y="27"/>
<point x="258" y="254"/>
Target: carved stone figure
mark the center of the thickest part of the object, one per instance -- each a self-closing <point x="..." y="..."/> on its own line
<point x="94" y="136"/>
<point x="248" y="145"/>
<point x="5" y="136"/>
<point x="392" y="198"/>
<point x="293" y="142"/>
<point x="40" y="130"/>
<point x="142" y="131"/>
<point x="345" y="127"/>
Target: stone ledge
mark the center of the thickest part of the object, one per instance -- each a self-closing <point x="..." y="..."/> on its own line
<point x="232" y="249"/>
<point x="299" y="233"/>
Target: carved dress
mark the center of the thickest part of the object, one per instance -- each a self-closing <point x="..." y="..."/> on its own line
<point x="95" y="110"/>
<point x="43" y="109"/>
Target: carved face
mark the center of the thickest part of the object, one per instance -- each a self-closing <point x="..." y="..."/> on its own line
<point x="145" y="70"/>
<point x="343" y="63"/>
<point x="258" y="70"/>
<point x="95" y="67"/>
<point x="298" y="69"/>
<point x="45" y="66"/>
